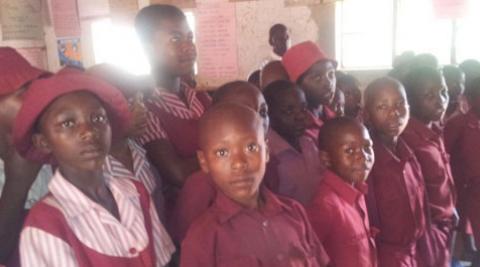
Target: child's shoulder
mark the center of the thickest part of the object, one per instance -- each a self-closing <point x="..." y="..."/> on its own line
<point x="46" y="214"/>
<point x="458" y="121"/>
<point x="204" y="227"/>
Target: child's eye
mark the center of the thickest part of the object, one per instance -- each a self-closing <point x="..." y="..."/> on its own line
<point x="263" y="112"/>
<point x="221" y="152"/>
<point x="67" y="123"/>
<point x="253" y="147"/>
<point x="99" y="118"/>
<point x="349" y="150"/>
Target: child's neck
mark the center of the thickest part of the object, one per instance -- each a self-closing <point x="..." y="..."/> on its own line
<point x="425" y="122"/>
<point x="121" y="152"/>
<point x="389" y="142"/>
<point x="168" y="82"/>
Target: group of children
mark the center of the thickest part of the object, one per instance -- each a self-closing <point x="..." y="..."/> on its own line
<point x="295" y="173"/>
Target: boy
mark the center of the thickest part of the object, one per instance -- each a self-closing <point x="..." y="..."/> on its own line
<point x="337" y="212"/>
<point x="22" y="183"/>
<point x="198" y="192"/>
<point x="247" y="225"/>
<point x="298" y="170"/>
<point x="338" y="103"/>
<point x="462" y="135"/>
<point x="349" y="85"/>
<point x="428" y="98"/>
<point x="174" y="108"/>
<point x="310" y="68"/>
<point x="395" y="198"/>
<point x="455" y="79"/>
<point x="88" y="218"/>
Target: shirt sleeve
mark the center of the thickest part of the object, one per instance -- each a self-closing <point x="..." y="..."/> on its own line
<point x="163" y="245"/>
<point x="154" y="130"/>
<point x="41" y="249"/>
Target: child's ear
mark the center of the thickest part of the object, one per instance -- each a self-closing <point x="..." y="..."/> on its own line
<point x="267" y="150"/>
<point x="202" y="161"/>
<point x="41" y="143"/>
<point x="325" y="158"/>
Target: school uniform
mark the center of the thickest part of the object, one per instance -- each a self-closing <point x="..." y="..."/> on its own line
<point x="66" y="228"/>
<point x="338" y="215"/>
<point x="170" y="118"/>
<point x="276" y="235"/>
<point x="298" y="173"/>
<point x="462" y="135"/>
<point x="395" y="203"/>
<point x="429" y="149"/>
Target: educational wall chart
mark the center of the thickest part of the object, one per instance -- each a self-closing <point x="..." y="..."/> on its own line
<point x="21" y="20"/>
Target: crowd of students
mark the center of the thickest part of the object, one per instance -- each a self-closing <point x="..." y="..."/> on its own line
<point x="295" y="168"/>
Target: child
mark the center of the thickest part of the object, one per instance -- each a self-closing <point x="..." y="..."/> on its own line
<point x="173" y="107"/>
<point x="462" y="135"/>
<point x="254" y="78"/>
<point x="310" y="68"/>
<point x="298" y="169"/>
<point x="349" y="85"/>
<point x="22" y="182"/>
<point x="198" y="192"/>
<point x="337" y="212"/>
<point x="127" y="157"/>
<point x="338" y="104"/>
<point x="88" y="218"/>
<point x="455" y="79"/>
<point x="272" y="71"/>
<point x="395" y="199"/>
<point x="247" y="225"/>
<point x="428" y="98"/>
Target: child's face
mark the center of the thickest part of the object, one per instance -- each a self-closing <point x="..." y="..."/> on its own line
<point x="431" y="101"/>
<point x="456" y="87"/>
<point x="350" y="155"/>
<point x="339" y="103"/>
<point x="235" y="156"/>
<point x="76" y="130"/>
<point x="319" y="84"/>
<point x="173" y="48"/>
<point x="353" y="97"/>
<point x="289" y="114"/>
<point x="387" y="112"/>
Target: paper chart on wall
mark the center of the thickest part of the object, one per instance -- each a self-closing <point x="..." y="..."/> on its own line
<point x="66" y="22"/>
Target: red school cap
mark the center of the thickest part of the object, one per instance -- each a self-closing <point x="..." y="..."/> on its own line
<point x="299" y="58"/>
<point x="43" y="92"/>
<point x="15" y="71"/>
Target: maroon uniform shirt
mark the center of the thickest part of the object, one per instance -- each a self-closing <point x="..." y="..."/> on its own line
<point x="462" y="141"/>
<point x="395" y="204"/>
<point x="429" y="149"/>
<point x="276" y="235"/>
<point x="338" y="215"/>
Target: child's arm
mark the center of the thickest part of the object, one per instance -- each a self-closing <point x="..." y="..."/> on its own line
<point x="40" y="249"/>
<point x="171" y="166"/>
<point x="19" y="177"/>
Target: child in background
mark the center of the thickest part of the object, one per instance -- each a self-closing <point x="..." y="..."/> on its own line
<point x="428" y="98"/>
<point x="455" y="79"/>
<point x="247" y="225"/>
<point x="254" y="78"/>
<point x="173" y="107"/>
<point x="337" y="212"/>
<point x="338" y="104"/>
<point x="272" y="71"/>
<point x="198" y="192"/>
<point x="88" y="218"/>
<point x="297" y="167"/>
<point x="462" y="135"/>
<point x="395" y="198"/>
<point x="310" y="68"/>
<point x="349" y="85"/>
<point x="22" y="182"/>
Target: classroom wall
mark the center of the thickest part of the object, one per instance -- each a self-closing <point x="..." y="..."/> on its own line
<point x="253" y="20"/>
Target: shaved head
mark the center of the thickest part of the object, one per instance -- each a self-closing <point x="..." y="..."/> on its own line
<point x="379" y="84"/>
<point x="272" y="71"/>
<point x="229" y="115"/>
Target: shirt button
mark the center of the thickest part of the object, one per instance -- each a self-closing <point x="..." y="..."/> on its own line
<point x="132" y="251"/>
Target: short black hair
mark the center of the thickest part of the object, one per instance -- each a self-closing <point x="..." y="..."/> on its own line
<point x="331" y="129"/>
<point x="273" y="90"/>
<point x="451" y="72"/>
<point x="275" y="28"/>
<point x="230" y="88"/>
<point x="148" y="19"/>
<point x="472" y="90"/>
<point x="416" y="78"/>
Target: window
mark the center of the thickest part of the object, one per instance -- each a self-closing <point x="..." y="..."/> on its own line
<point x="371" y="32"/>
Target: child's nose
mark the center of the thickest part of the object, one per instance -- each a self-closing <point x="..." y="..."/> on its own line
<point x="88" y="131"/>
<point x="239" y="161"/>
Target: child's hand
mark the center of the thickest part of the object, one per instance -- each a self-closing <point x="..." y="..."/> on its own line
<point x="139" y="116"/>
